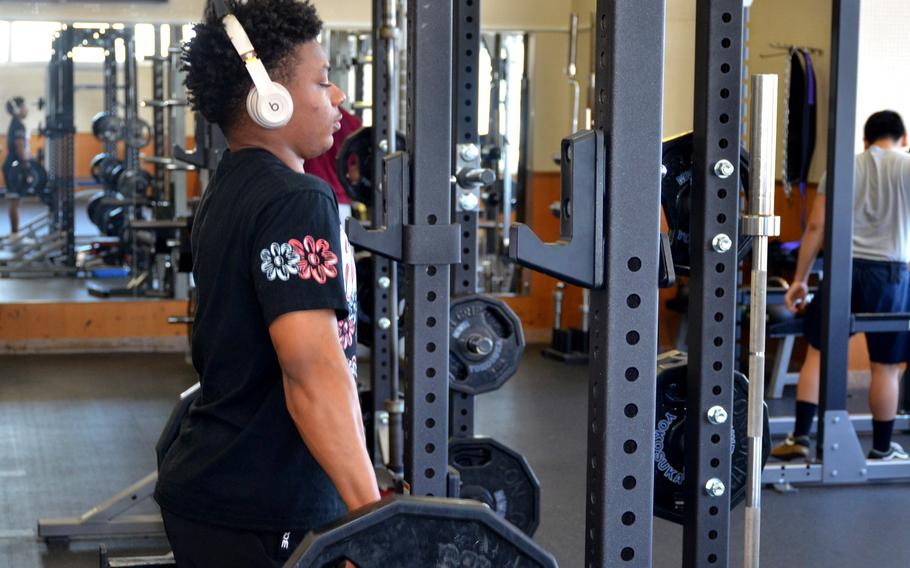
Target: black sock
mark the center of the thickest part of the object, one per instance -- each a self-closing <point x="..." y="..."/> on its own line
<point x="805" y="414"/>
<point x="881" y="435"/>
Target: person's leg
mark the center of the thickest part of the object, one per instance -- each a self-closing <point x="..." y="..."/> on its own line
<point x="887" y="293"/>
<point x="883" y="393"/>
<point x="797" y="444"/>
<point x="807" y="387"/>
<point x="14" y="215"/>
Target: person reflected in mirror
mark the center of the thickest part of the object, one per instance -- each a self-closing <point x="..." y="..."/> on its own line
<point x="880" y="282"/>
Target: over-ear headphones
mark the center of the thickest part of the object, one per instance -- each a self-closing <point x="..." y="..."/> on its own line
<point x="13" y="104"/>
<point x="268" y="103"/>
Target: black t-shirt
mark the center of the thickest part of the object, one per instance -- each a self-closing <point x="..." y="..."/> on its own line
<point x="16" y="132"/>
<point x="266" y="241"/>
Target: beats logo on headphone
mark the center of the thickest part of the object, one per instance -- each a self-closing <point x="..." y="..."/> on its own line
<point x="268" y="103"/>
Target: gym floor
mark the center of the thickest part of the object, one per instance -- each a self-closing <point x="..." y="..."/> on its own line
<point x="74" y="430"/>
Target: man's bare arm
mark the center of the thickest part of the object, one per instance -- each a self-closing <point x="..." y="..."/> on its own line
<point x="812" y="242"/>
<point x="322" y="398"/>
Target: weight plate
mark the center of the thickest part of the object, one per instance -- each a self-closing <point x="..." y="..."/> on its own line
<point x="354" y="164"/>
<point x="404" y="532"/>
<point x="96" y="165"/>
<point x="485" y="344"/>
<point x="27" y="178"/>
<point x="498" y="477"/>
<point x="134" y="182"/>
<point x="107" y="127"/>
<point x="94" y="208"/>
<point x="675" y="192"/>
<point x="138" y="134"/>
<point x="670" y="433"/>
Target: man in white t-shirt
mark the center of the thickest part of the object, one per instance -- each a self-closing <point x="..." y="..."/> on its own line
<point x="881" y="283"/>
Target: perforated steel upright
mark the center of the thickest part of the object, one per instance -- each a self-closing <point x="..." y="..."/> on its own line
<point x="158" y="127"/>
<point x="713" y="279"/>
<point x="628" y="110"/>
<point x="838" y="214"/>
<point x="108" y="41"/>
<point x="465" y="63"/>
<point x="429" y="92"/>
<point x="65" y="130"/>
<point x="383" y="353"/>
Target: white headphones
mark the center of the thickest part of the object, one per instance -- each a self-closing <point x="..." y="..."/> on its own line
<point x="268" y="103"/>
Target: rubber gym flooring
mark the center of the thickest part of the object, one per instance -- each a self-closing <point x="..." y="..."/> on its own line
<point x="74" y="430"/>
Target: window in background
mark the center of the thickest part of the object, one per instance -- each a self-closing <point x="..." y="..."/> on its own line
<point x="515" y="44"/>
<point x="884" y="58"/>
<point x="509" y="95"/>
<point x="188" y="32"/>
<point x="88" y="55"/>
<point x="30" y="42"/>
<point x="4" y="41"/>
<point x="144" y="36"/>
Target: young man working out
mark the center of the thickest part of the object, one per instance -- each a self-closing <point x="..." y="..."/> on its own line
<point x="881" y="284"/>
<point x="274" y="446"/>
<point x="16" y="150"/>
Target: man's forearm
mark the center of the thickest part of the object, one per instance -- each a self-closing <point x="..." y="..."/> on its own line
<point x="808" y="252"/>
<point x="326" y="411"/>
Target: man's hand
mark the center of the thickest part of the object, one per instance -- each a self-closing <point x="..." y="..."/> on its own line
<point x="795" y="298"/>
<point x="322" y="399"/>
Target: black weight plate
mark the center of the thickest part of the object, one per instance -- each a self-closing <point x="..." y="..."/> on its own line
<point x="138" y="134"/>
<point x="107" y="127"/>
<point x="134" y="182"/>
<point x="670" y="432"/>
<point x="96" y="166"/>
<point x="98" y="122"/>
<point x="27" y="178"/>
<point x="476" y="317"/>
<point x="94" y="208"/>
<point x="109" y="169"/>
<point x="500" y="478"/>
<point x="356" y="154"/>
<point x="409" y="532"/>
<point x="676" y="187"/>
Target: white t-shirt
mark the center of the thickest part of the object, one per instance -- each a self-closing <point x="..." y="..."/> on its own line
<point x="881" y="205"/>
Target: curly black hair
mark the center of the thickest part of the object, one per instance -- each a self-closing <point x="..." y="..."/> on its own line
<point x="216" y="78"/>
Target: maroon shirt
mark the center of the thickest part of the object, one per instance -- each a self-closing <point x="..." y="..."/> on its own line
<point x="324" y="166"/>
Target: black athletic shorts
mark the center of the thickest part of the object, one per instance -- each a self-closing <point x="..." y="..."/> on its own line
<point x="10" y="194"/>
<point x="878" y="287"/>
<point x="197" y="545"/>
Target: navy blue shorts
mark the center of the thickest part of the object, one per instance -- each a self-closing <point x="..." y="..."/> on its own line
<point x="7" y="169"/>
<point x="878" y="287"/>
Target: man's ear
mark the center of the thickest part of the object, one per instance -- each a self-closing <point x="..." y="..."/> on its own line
<point x="904" y="140"/>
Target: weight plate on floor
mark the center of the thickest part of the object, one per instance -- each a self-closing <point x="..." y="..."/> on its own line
<point x="670" y="433"/>
<point x="499" y="477"/>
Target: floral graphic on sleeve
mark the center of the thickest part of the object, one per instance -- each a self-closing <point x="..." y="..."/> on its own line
<point x="316" y="260"/>
<point x="279" y="261"/>
<point x="348" y="326"/>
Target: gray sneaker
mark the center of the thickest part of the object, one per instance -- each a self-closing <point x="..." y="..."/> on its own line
<point x="895" y="452"/>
